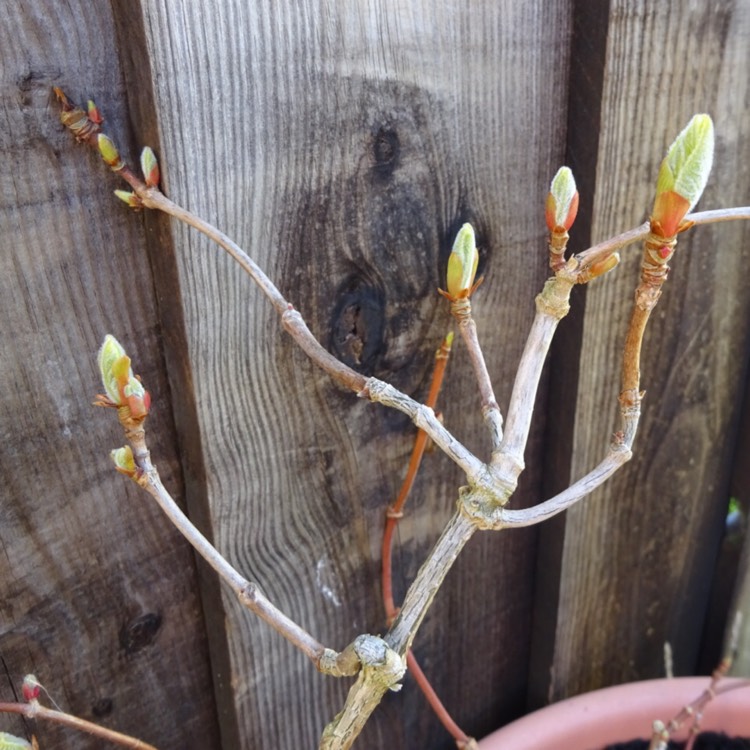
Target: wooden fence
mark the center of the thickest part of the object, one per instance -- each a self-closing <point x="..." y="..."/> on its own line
<point x="342" y="144"/>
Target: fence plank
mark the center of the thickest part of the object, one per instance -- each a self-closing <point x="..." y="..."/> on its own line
<point x="636" y="559"/>
<point x="97" y="595"/>
<point x="343" y="144"/>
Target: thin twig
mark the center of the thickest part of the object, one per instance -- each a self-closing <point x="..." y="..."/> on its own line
<point x="395" y="511"/>
<point x="247" y="592"/>
<point x="636" y="234"/>
<point x="424" y="418"/>
<point x="603" y="249"/>
<point x="719" y="214"/>
<point x="693" y="712"/>
<point x="508" y="518"/>
<point x="462" y="739"/>
<point x="35" y="710"/>
<point x="461" y="311"/>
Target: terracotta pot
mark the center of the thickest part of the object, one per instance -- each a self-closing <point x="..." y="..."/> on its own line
<point x="624" y="712"/>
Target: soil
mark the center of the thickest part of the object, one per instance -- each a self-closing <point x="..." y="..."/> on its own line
<point x="704" y="741"/>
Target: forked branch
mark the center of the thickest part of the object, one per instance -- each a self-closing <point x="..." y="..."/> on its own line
<point x="482" y="504"/>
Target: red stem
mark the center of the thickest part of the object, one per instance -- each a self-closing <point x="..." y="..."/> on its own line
<point x="393" y="516"/>
<point x="35" y="711"/>
<point x="394" y="511"/>
<point x="462" y="740"/>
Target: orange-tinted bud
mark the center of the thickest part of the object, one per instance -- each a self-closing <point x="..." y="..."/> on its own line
<point x="122" y="387"/>
<point x="94" y="114"/>
<point x="683" y="175"/>
<point x="561" y="206"/>
<point x="149" y="167"/>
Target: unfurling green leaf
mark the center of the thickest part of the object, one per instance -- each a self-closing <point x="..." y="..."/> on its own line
<point x="123" y="388"/>
<point x="683" y="174"/>
<point x="110" y="355"/>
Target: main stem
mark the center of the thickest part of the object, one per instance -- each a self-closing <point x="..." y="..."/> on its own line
<point x="427" y="582"/>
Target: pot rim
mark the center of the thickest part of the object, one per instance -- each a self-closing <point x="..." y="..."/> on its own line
<point x="622" y="712"/>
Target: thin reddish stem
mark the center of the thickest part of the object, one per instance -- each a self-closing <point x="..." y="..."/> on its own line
<point x="394" y="514"/>
<point x="36" y="711"/>
<point x="395" y="510"/>
<point x="461" y="738"/>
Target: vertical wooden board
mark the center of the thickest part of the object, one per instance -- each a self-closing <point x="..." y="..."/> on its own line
<point x="637" y="556"/>
<point x="736" y="552"/>
<point x="342" y="144"/>
<point x="98" y="596"/>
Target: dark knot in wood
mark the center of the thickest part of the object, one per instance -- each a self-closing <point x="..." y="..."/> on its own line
<point x="386" y="149"/>
<point x="139" y="632"/>
<point x="358" y="326"/>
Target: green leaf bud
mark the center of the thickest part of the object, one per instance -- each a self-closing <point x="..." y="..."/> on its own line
<point x="11" y="742"/>
<point x="462" y="263"/>
<point x="124" y="461"/>
<point x="149" y="167"/>
<point x="108" y="150"/>
<point x="561" y="207"/>
<point x="683" y="174"/>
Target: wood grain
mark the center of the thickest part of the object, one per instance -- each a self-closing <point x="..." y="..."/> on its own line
<point x="343" y="144"/>
<point x="97" y="594"/>
<point x="635" y="560"/>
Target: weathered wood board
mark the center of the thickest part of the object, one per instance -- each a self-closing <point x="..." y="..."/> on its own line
<point x="635" y="561"/>
<point x="343" y="145"/>
<point x="98" y="595"/>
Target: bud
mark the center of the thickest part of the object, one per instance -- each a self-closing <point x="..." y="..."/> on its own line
<point x="149" y="167"/>
<point x="74" y="118"/>
<point x="109" y="151"/>
<point x="124" y="461"/>
<point x="121" y="386"/>
<point x="131" y="199"/>
<point x="683" y="175"/>
<point x="137" y="397"/>
<point x="562" y="201"/>
<point x="599" y="268"/>
<point x="93" y="113"/>
<point x="604" y="266"/>
<point x="11" y="742"/>
<point x="30" y="688"/>
<point x="462" y="263"/>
